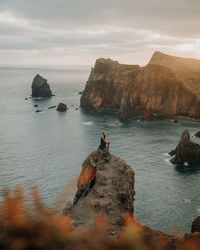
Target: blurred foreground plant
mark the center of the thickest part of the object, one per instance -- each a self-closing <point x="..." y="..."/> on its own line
<point x="33" y="225"/>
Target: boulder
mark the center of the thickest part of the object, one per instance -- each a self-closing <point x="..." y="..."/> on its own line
<point x="62" y="107"/>
<point x="187" y="151"/>
<point x="105" y="186"/>
<point x="40" y="87"/>
<point x="38" y="111"/>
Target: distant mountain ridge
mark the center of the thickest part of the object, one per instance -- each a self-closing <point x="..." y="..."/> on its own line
<point x="166" y="85"/>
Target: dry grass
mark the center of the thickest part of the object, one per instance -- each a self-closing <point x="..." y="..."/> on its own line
<point x="35" y="226"/>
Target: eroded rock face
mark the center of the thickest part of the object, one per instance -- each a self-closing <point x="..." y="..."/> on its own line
<point x="125" y="109"/>
<point x="187" y="151"/>
<point x="40" y="87"/>
<point x="106" y="187"/>
<point x="158" y="87"/>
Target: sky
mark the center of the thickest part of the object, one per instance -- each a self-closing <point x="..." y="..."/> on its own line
<point x="77" y="32"/>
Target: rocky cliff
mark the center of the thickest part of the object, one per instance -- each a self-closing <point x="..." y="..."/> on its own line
<point x="105" y="187"/>
<point x="167" y="85"/>
<point x="40" y="87"/>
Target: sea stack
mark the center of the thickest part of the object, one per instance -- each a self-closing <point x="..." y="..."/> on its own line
<point x="106" y="187"/>
<point x="167" y="86"/>
<point x="187" y="151"/>
<point x="40" y="87"/>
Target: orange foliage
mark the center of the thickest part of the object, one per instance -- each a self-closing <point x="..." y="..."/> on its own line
<point x="86" y="176"/>
<point x="25" y="225"/>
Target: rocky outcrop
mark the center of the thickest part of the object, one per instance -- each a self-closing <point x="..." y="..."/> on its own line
<point x="106" y="187"/>
<point x="40" y="87"/>
<point x="187" y="151"/>
<point x="197" y="134"/>
<point x="61" y="107"/>
<point x="159" y="87"/>
<point x="196" y="225"/>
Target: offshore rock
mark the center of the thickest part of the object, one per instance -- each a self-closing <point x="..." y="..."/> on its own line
<point x="159" y="87"/>
<point x="106" y="187"/>
<point x="40" y="87"/>
<point x="187" y="151"/>
<point x="61" y="107"/>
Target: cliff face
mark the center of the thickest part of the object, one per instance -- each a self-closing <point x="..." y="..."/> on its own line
<point x="106" y="187"/>
<point x="107" y="82"/>
<point x="165" y="86"/>
<point x="186" y="70"/>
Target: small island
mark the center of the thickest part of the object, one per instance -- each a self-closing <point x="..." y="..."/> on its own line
<point x="40" y="87"/>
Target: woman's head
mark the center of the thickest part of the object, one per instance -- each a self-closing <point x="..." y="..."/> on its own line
<point x="104" y="134"/>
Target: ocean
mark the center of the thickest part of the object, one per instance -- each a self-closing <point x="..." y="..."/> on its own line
<point x="47" y="149"/>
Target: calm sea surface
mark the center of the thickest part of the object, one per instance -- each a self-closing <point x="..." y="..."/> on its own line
<point x="47" y="149"/>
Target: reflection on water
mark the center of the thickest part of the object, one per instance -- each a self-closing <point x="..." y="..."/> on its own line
<point x="48" y="148"/>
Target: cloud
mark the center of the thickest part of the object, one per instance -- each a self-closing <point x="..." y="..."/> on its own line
<point x="79" y="31"/>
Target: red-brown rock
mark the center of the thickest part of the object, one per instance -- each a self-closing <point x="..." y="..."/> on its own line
<point x="160" y="87"/>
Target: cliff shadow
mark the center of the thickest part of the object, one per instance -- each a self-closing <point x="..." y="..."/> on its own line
<point x="188" y="170"/>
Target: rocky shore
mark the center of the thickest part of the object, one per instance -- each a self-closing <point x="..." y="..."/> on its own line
<point x="166" y="86"/>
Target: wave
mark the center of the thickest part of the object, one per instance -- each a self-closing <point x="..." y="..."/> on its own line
<point x="187" y="200"/>
<point x="168" y="162"/>
<point x="116" y="125"/>
<point x="90" y="123"/>
<point x="166" y="154"/>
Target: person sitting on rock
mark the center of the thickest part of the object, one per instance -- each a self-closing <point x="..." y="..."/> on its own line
<point x="104" y="144"/>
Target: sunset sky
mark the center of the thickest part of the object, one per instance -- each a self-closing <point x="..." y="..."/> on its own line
<point x="76" y="32"/>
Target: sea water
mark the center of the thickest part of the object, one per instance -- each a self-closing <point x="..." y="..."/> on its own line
<point x="47" y="149"/>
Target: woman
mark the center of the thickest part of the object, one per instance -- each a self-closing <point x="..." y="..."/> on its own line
<point x="104" y="144"/>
